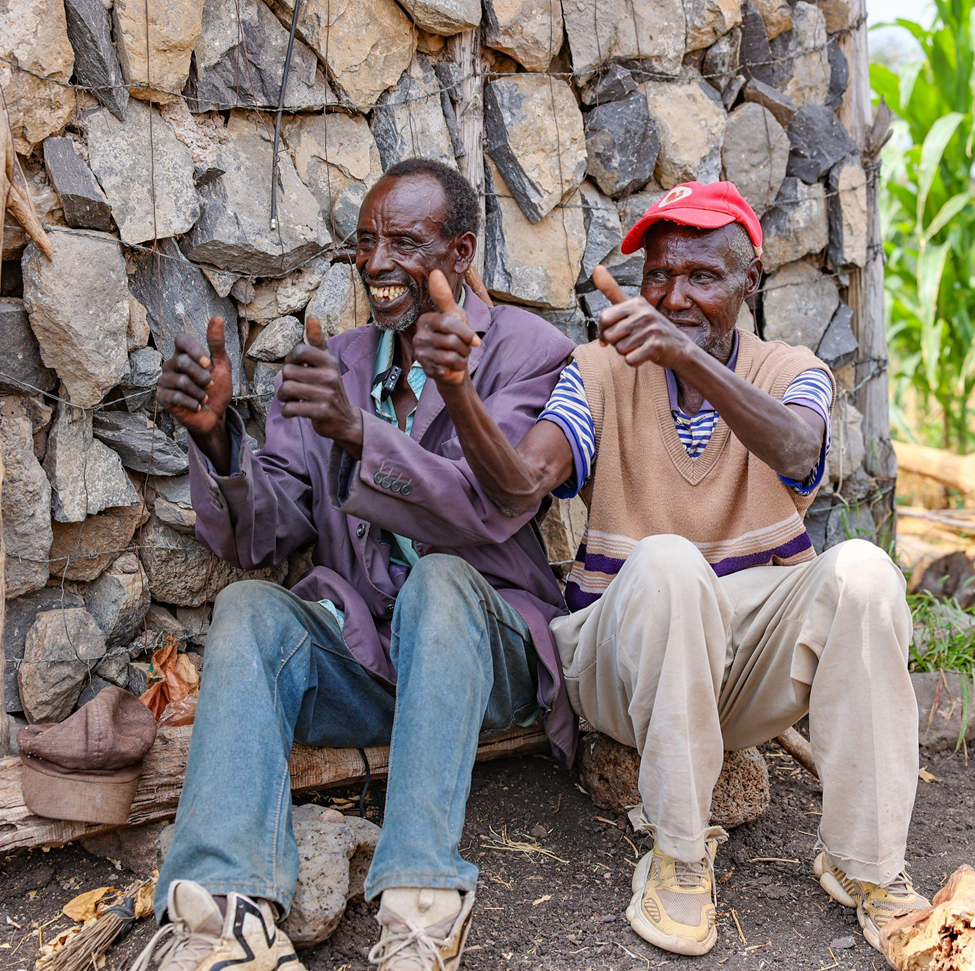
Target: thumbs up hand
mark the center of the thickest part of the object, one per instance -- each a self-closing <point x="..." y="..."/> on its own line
<point x="637" y="330"/>
<point x="311" y="387"/>
<point x="444" y="340"/>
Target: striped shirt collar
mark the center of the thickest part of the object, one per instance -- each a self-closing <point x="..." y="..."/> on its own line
<point x="706" y="405"/>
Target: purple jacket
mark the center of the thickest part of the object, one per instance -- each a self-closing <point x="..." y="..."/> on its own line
<point x="299" y="489"/>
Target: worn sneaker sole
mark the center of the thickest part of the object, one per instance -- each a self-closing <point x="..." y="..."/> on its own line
<point x="834" y="888"/>
<point x="653" y="934"/>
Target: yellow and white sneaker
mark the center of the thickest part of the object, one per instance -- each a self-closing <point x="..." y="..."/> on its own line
<point x="200" y="938"/>
<point x="875" y="905"/>
<point x="425" y="932"/>
<point x="673" y="903"/>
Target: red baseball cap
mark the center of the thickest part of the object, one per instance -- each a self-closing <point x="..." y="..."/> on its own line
<point x="704" y="206"/>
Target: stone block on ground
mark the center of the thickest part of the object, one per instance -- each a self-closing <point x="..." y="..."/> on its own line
<point x="23" y="370"/>
<point x="82" y="200"/>
<point x="530" y="31"/>
<point x="119" y="599"/>
<point x="540" y="153"/>
<point x="609" y="772"/>
<point x="81" y="551"/>
<point x="622" y="145"/>
<point x="796" y="225"/>
<point x="96" y="63"/>
<point x="132" y="846"/>
<point x="340" y="302"/>
<point x="601" y="222"/>
<point x="802" y="68"/>
<point x="155" y="42"/>
<point x="536" y="264"/>
<point x="276" y="340"/>
<point x="818" y="141"/>
<point x="848" y="214"/>
<point x="122" y="156"/>
<point x="799" y="303"/>
<point x="691" y="128"/>
<point x="79" y="311"/>
<point x="708" y="20"/>
<point x="755" y="154"/>
<point x="238" y="58"/>
<point x="234" y="232"/>
<point x="59" y="650"/>
<point x="943" y="698"/>
<point x="838" y="347"/>
<point x="592" y="31"/>
<point x="141" y="445"/>
<point x="652" y="33"/>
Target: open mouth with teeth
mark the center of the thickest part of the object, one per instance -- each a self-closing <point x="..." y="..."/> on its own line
<point x="385" y="296"/>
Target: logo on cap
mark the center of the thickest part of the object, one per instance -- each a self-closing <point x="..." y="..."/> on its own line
<point x="675" y="195"/>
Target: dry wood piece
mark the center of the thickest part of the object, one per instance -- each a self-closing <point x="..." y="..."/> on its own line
<point x="798" y="748"/>
<point x="162" y="781"/>
<point x="954" y="471"/>
<point x="940" y="937"/>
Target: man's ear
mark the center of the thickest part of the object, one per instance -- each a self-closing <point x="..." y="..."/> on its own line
<point x="753" y="277"/>
<point x="465" y="246"/>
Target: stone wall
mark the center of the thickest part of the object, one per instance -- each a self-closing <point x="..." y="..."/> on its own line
<point x="150" y="163"/>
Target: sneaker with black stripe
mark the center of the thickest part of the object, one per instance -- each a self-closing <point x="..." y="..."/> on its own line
<point x="200" y="938"/>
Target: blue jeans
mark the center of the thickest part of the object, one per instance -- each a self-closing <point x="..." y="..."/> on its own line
<point x="277" y="671"/>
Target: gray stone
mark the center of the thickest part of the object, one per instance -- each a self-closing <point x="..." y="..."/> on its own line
<point x="262" y="389"/>
<point x="276" y="340"/>
<point x="691" y="129"/>
<point x="631" y="209"/>
<point x="530" y="31"/>
<point x="139" y="443"/>
<point x="802" y="60"/>
<point x="573" y="323"/>
<point x="839" y="75"/>
<point x="651" y="34"/>
<point x="847" y="448"/>
<point x="176" y="515"/>
<point x="96" y="64"/>
<point x="81" y="551"/>
<point x="783" y="107"/>
<point x="181" y="571"/>
<point x="238" y="58"/>
<point x="79" y="311"/>
<point x="26" y="503"/>
<point x="839" y="14"/>
<point x="408" y="120"/>
<point x="730" y="94"/>
<point x="850" y="522"/>
<point x="60" y="650"/>
<point x="756" y="52"/>
<point x="540" y="152"/>
<point x="22" y="370"/>
<point x="86" y="476"/>
<point x="708" y="20"/>
<point x="943" y="703"/>
<point x="445" y="17"/>
<point x="723" y="58"/>
<point x="82" y="200"/>
<point x="848" y="215"/>
<point x="799" y="302"/>
<point x="610" y="85"/>
<point x="592" y="29"/>
<point x="137" y="335"/>
<point x="132" y="846"/>
<point x="341" y="301"/>
<point x="755" y="155"/>
<point x="196" y="621"/>
<point x="234" y="232"/>
<point x="595" y="302"/>
<point x="818" y="141"/>
<point x="327" y="845"/>
<point x="177" y="299"/>
<point x="602" y="225"/>
<point x="796" y="225"/>
<point x="538" y="263"/>
<point x="138" y="682"/>
<point x="777" y="16"/>
<point x="622" y="145"/>
<point x="119" y="599"/>
<point x="839" y="345"/>
<point x="139" y="384"/>
<point x="817" y="517"/>
<point x="92" y="685"/>
<point x="122" y="156"/>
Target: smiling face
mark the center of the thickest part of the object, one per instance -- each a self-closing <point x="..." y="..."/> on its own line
<point x="698" y="279"/>
<point x="400" y="242"/>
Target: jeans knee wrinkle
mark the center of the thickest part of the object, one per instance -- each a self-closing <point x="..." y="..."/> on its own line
<point x="284" y="663"/>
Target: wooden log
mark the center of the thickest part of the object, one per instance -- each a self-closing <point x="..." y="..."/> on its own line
<point x="954" y="471"/>
<point x="162" y="781"/>
<point x="799" y="749"/>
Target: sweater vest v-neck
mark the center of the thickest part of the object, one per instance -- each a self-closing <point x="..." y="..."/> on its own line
<point x="731" y="505"/>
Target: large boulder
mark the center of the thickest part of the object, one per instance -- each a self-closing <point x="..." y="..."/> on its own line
<point x="79" y="311"/>
<point x="609" y="771"/>
<point x="799" y="303"/>
<point x="755" y="154"/>
<point x="141" y="445"/>
<point x="536" y="139"/>
<point x="796" y="225"/>
<point x="26" y="503"/>
<point x="123" y="154"/>
<point x="23" y="370"/>
<point x="707" y="20"/>
<point x="82" y="201"/>
<point x="591" y="28"/>
<point x="238" y="57"/>
<point x="81" y="551"/>
<point x="848" y="215"/>
<point x="34" y="35"/>
<point x="365" y="45"/>
<point x="119" y="599"/>
<point x="691" y="129"/>
<point x="96" y="63"/>
<point x="622" y="145"/>
<point x="651" y="34"/>
<point x="155" y="42"/>
<point x="341" y="301"/>
<point x="234" y="231"/>
<point x="530" y="31"/>
<point x="533" y="263"/>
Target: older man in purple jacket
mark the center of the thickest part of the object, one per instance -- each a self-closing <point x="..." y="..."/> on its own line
<point x="423" y="622"/>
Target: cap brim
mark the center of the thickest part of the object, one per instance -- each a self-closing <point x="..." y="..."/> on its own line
<point x="698" y="218"/>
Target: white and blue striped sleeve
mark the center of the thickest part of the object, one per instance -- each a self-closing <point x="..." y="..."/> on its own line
<point x="812" y="389"/>
<point x="568" y="408"/>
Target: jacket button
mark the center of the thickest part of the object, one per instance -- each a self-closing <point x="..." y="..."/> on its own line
<point x="360" y="530"/>
<point x="406" y="490"/>
<point x="377" y="478"/>
<point x="390" y="608"/>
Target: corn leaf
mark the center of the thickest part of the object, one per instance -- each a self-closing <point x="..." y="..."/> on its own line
<point x="932" y="151"/>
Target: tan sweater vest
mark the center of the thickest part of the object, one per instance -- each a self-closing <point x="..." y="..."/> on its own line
<point x="729" y="503"/>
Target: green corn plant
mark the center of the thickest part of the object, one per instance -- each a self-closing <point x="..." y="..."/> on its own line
<point x="928" y="220"/>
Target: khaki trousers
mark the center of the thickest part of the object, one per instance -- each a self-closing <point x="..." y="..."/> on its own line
<point x="682" y="664"/>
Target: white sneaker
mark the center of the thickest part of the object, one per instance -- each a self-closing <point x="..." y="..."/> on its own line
<point x="200" y="938"/>
<point x="410" y="944"/>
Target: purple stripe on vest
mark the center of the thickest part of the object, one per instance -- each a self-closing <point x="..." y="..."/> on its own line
<point x="576" y="599"/>
<point x="763" y="558"/>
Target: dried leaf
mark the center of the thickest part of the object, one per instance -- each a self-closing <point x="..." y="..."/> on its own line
<point x="926" y="776"/>
<point x="143" y="897"/>
<point x="85" y="905"/>
<point x="542" y="900"/>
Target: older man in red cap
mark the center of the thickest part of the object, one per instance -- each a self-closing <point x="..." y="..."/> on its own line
<point x="702" y="619"/>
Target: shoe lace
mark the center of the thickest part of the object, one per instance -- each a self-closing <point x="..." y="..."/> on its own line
<point x="901" y="885"/>
<point x="192" y="948"/>
<point x="689" y="876"/>
<point x="409" y="941"/>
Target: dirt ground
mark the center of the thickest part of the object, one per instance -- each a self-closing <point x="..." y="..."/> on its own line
<point x="563" y="908"/>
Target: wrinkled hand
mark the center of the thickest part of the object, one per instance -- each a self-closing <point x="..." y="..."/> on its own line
<point x="443" y="339"/>
<point x="311" y="387"/>
<point x="638" y="331"/>
<point x="195" y="385"/>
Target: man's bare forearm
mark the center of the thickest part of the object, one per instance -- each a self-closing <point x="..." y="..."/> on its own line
<point x="216" y="446"/>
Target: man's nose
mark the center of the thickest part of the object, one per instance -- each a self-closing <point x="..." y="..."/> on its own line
<point x="379" y="260"/>
<point x="677" y="294"/>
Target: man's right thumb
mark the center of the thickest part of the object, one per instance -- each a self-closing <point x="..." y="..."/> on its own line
<point x="215" y="337"/>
